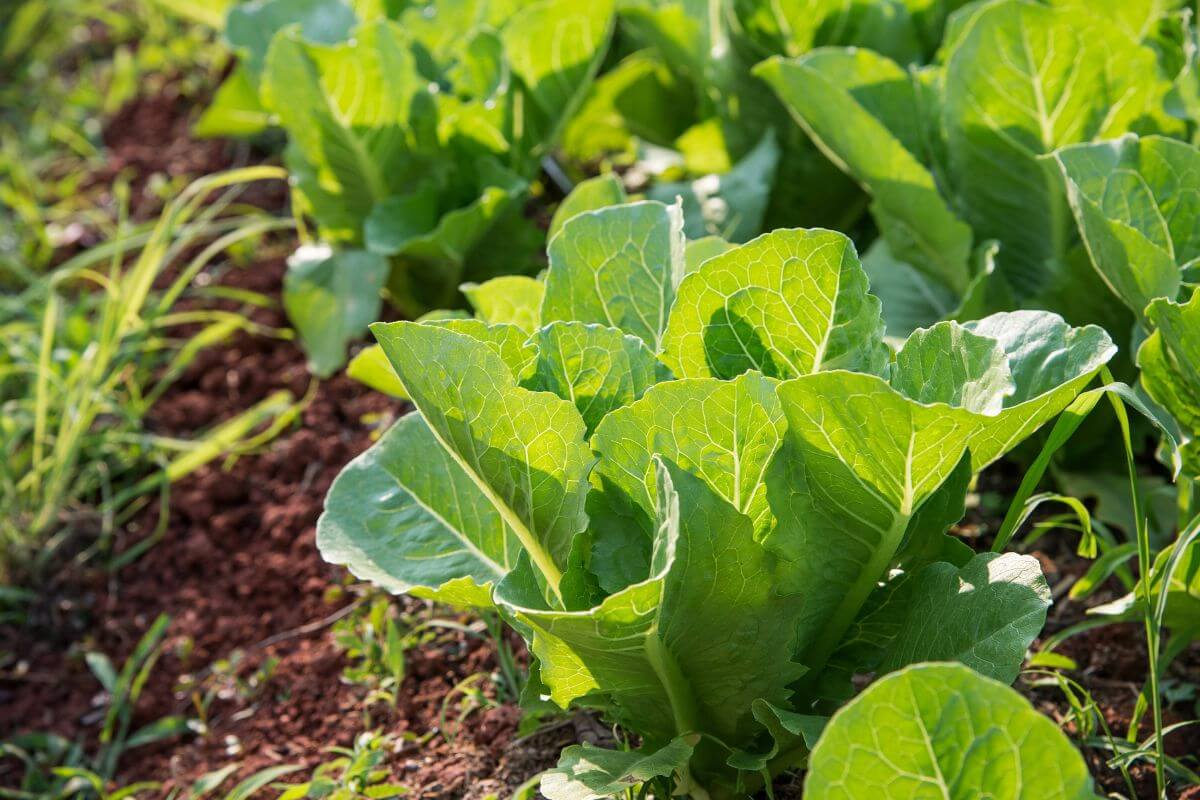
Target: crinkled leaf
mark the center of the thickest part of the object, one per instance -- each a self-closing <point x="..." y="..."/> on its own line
<point x="511" y="299"/>
<point x="948" y="364"/>
<point x="598" y="369"/>
<point x="524" y="450"/>
<point x="1170" y="363"/>
<point x="789" y="303"/>
<point x="942" y="730"/>
<point x="617" y="267"/>
<point x="507" y="341"/>
<point x="725" y="432"/>
<point x="1050" y="363"/>
<point x="1136" y="203"/>
<point x="331" y="297"/>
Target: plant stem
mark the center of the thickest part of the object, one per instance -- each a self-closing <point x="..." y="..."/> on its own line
<point x="1144" y="566"/>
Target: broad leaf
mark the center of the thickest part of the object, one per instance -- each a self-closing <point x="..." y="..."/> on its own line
<point x="862" y="110"/>
<point x="524" y="450"/>
<point x="587" y="772"/>
<point x="598" y="369"/>
<point x="910" y="299"/>
<point x="789" y="303"/>
<point x="345" y="108"/>
<point x="949" y="364"/>
<point x="433" y="260"/>
<point x="858" y="460"/>
<point x="331" y="297"/>
<point x="1023" y="79"/>
<point x="370" y="367"/>
<point x="984" y="614"/>
<point x="1050" y="363"/>
<point x="1136" y="203"/>
<point x="235" y="110"/>
<point x="641" y="649"/>
<point x="901" y="29"/>
<point x="416" y="525"/>
<point x="1169" y="359"/>
<point x="725" y="432"/>
<point x="617" y="267"/>
<point x="554" y="47"/>
<point x="512" y="299"/>
<point x="941" y="730"/>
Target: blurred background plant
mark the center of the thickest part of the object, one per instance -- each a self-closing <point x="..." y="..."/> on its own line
<point x="68" y="64"/>
<point x="89" y="347"/>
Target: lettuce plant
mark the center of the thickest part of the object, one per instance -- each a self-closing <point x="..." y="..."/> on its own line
<point x="704" y="489"/>
<point x="1135" y="202"/>
<point x="952" y="154"/>
<point x="413" y="136"/>
<point x="683" y="101"/>
<point x="1002" y="174"/>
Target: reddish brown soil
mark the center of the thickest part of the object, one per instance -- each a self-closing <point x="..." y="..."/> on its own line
<point x="239" y="564"/>
<point x="1111" y="665"/>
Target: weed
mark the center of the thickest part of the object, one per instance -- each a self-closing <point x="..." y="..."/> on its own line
<point x="55" y="767"/>
<point x="89" y="351"/>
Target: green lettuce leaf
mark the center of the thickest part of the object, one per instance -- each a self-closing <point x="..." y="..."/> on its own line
<point x="331" y="297"/>
<point x="598" y="369"/>
<point x="724" y="432"/>
<point x="1021" y="80"/>
<point x="944" y="730"/>
<point x="862" y="110"/>
<point x="788" y="303"/>
<point x="618" y="267"/>
<point x="587" y="772"/>
<point x="640" y="649"/>
<point x="524" y="450"/>
<point x="421" y="526"/>
<point x="1168" y="359"/>
<point x="1136" y="202"/>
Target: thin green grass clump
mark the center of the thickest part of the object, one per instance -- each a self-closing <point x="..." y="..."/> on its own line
<point x="89" y="348"/>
